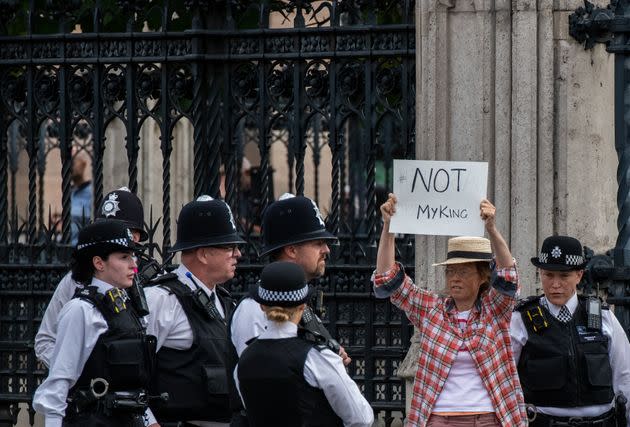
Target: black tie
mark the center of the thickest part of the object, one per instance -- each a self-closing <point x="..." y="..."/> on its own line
<point x="212" y="306"/>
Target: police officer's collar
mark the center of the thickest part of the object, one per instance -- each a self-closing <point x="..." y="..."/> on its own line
<point x="182" y="276"/>
<point x="571" y="304"/>
<point x="280" y="330"/>
<point x="102" y="286"/>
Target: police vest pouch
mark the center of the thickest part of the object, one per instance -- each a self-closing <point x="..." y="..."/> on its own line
<point x="598" y="370"/>
<point x="126" y="362"/>
<point x="216" y="379"/>
<point x="543" y="373"/>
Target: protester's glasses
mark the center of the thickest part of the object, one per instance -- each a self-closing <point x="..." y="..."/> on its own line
<point x="459" y="272"/>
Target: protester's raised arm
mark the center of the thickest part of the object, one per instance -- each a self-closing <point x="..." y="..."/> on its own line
<point x="502" y="254"/>
<point x="386" y="255"/>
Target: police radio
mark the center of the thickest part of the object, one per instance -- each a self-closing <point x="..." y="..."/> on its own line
<point x="150" y="269"/>
<point x="203" y="301"/>
<point x="594" y="314"/>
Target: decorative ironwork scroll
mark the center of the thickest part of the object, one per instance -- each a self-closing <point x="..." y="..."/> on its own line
<point x="328" y="83"/>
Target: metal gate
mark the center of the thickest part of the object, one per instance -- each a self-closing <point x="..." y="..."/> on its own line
<point x="331" y="82"/>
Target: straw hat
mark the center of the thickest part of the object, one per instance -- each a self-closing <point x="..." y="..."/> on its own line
<point x="467" y="249"/>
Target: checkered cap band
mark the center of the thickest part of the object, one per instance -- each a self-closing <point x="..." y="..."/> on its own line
<point x="119" y="241"/>
<point x="569" y="259"/>
<point x="294" y="296"/>
<point x="574" y="259"/>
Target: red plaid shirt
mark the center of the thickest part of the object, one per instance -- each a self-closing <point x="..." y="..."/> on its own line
<point x="487" y="337"/>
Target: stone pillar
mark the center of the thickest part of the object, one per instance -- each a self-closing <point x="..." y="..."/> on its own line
<point x="501" y="81"/>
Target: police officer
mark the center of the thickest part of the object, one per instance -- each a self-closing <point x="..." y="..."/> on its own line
<point x="102" y="358"/>
<point x="572" y="354"/>
<point x="293" y="230"/>
<point x="188" y="317"/>
<point x="303" y="383"/>
<point x="121" y="205"/>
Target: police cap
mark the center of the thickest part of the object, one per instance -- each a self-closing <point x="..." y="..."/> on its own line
<point x="282" y="284"/>
<point x="560" y="253"/>
<point x="104" y="237"/>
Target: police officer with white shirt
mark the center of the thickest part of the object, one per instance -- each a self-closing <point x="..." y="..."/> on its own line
<point x="572" y="355"/>
<point x="188" y="317"/>
<point x="121" y="205"/>
<point x="286" y="378"/>
<point x="102" y="359"/>
<point x="292" y="230"/>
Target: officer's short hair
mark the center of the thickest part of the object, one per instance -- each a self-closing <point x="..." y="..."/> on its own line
<point x="275" y="255"/>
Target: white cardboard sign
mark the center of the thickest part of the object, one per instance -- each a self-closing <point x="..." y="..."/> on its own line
<point x="438" y="197"/>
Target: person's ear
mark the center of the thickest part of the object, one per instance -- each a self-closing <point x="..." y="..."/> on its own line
<point x="98" y="263"/>
<point x="290" y="251"/>
<point x="201" y="255"/>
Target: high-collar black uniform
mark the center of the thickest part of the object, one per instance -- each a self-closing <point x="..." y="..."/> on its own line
<point x="195" y="378"/>
<point x="564" y="364"/>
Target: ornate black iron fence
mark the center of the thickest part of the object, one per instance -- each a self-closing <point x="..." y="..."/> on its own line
<point x="331" y="82"/>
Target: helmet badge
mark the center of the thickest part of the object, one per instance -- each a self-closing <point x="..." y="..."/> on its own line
<point x="110" y="206"/>
<point x="318" y="214"/>
<point x="231" y="217"/>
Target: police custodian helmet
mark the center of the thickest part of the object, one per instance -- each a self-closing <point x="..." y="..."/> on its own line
<point x="290" y="220"/>
<point x="205" y="222"/>
<point x="122" y="205"/>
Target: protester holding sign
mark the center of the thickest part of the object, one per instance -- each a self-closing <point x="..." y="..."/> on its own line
<point x="466" y="374"/>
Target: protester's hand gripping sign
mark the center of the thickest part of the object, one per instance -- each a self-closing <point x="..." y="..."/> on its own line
<point x="439" y="198"/>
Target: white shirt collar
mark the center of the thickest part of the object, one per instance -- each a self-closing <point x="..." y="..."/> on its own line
<point x="571" y="305"/>
<point x="181" y="274"/>
<point x="100" y="285"/>
<point x="277" y="330"/>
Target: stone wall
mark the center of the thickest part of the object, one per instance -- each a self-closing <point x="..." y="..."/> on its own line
<point x="502" y="81"/>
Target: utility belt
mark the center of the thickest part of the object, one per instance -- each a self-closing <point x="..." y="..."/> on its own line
<point x="98" y="399"/>
<point x="537" y="419"/>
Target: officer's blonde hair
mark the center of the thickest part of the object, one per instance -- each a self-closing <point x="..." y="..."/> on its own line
<point x="280" y="314"/>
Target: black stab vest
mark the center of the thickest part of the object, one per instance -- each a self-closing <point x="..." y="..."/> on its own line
<point x="564" y="365"/>
<point x="232" y="357"/>
<point x="123" y="355"/>
<point x="278" y="395"/>
<point x="313" y="325"/>
<point x="196" y="378"/>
